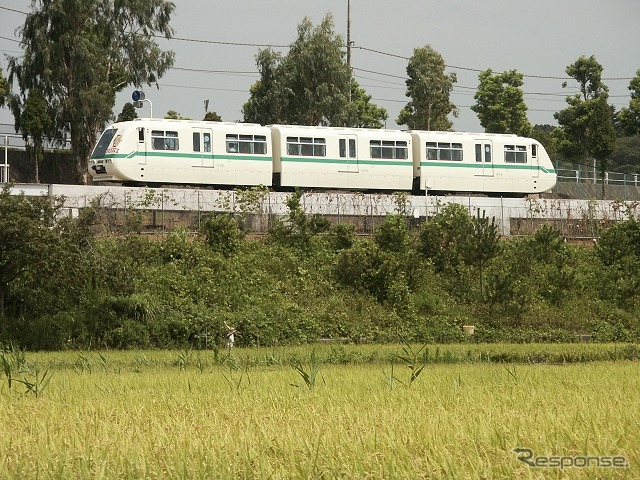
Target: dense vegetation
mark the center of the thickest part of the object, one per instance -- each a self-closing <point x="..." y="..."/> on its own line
<point x="81" y="283"/>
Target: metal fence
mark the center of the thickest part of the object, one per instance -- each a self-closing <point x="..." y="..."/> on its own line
<point x="589" y="175"/>
<point x="162" y="210"/>
<point x="12" y="141"/>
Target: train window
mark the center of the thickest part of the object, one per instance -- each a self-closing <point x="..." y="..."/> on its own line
<point x="376" y="148"/>
<point x="293" y="148"/>
<point x="432" y="151"/>
<point x="206" y="137"/>
<point x="515" y="154"/>
<point x="319" y="147"/>
<point x="104" y="142"/>
<point x="141" y="135"/>
<point x="246" y="144"/>
<point x="342" y="146"/>
<point x="260" y="144"/>
<point x="456" y="152"/>
<point x="388" y="149"/>
<point x="307" y="146"/>
<point x="534" y="150"/>
<point x="232" y="143"/>
<point x="250" y="144"/>
<point x="478" y="152"/>
<point x="171" y="142"/>
<point x="444" y="151"/>
<point x="165" y="140"/>
<point x="158" y="140"/>
<point x="196" y="142"/>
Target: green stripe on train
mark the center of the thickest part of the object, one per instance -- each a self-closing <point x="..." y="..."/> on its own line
<point x="344" y="161"/>
<point x="192" y="156"/>
<point x="324" y="160"/>
<point x="481" y="165"/>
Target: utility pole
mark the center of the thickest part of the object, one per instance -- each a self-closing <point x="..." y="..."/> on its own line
<point x="349" y="43"/>
<point x="349" y="33"/>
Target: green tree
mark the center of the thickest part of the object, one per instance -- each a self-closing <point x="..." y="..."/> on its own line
<point x="500" y="103"/>
<point x="484" y="244"/>
<point x="429" y="88"/>
<point x="619" y="251"/>
<point x="5" y="90"/>
<point x="446" y="238"/>
<point x="392" y="235"/>
<point x="173" y="115"/>
<point x="266" y="104"/>
<point x="319" y="77"/>
<point x="629" y="117"/>
<point x="80" y="53"/>
<point x="586" y="125"/>
<point x="34" y="122"/>
<point x="128" y="113"/>
<point x="212" y="117"/>
<point x="33" y="250"/>
<point x="361" y="112"/>
<point x="342" y="236"/>
<point x="299" y="229"/>
<point x="311" y="85"/>
<point x="367" y="268"/>
<point x="544" y="134"/>
<point x="222" y="233"/>
<point x="626" y="156"/>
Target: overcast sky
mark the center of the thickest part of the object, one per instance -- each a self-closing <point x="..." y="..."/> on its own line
<point x="537" y="38"/>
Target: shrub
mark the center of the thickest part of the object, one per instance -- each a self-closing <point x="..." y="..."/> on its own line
<point x="222" y="233"/>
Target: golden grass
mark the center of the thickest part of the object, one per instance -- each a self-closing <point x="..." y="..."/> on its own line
<point x="163" y="419"/>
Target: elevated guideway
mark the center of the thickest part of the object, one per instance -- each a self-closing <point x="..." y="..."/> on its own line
<point x="510" y="213"/>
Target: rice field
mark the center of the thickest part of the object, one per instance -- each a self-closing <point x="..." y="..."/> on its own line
<point x="282" y="414"/>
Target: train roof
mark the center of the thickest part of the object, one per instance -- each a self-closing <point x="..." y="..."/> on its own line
<point x="442" y="134"/>
<point x="336" y="129"/>
<point x="192" y="123"/>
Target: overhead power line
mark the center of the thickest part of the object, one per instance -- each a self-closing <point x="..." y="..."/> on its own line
<point x="379" y="52"/>
<point x="480" y="70"/>
<point x="10" y="39"/>
<point x="223" y="72"/>
<point x="215" y="42"/>
<point x="13" y="10"/>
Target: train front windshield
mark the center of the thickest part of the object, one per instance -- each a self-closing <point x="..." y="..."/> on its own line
<point x="104" y="142"/>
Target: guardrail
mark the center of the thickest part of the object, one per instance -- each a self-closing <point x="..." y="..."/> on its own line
<point x="8" y="141"/>
<point x="589" y="176"/>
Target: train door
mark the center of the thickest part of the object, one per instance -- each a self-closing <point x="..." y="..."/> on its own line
<point x="535" y="161"/>
<point x="202" y="147"/>
<point x="141" y="147"/>
<point x="348" y="153"/>
<point x="484" y="157"/>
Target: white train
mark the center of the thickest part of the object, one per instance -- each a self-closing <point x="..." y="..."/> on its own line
<point x="184" y="152"/>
